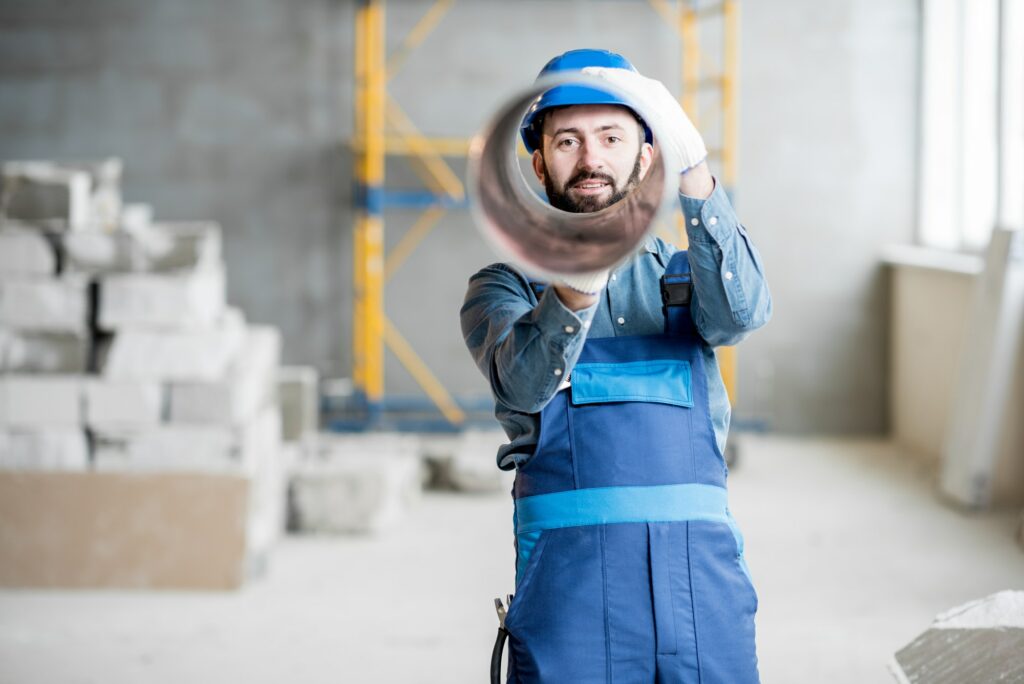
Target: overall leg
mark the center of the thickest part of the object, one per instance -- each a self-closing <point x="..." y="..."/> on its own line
<point x="556" y="624"/>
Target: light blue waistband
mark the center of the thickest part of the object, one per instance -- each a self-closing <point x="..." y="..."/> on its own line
<point x="606" y="505"/>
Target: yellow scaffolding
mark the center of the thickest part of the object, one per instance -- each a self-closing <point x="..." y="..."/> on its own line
<point x="382" y="128"/>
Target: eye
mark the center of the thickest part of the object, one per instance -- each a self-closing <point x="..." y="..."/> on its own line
<point x="612" y="139"/>
<point x="566" y="143"/>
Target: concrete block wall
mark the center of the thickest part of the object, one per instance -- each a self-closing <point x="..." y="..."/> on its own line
<point x="241" y="111"/>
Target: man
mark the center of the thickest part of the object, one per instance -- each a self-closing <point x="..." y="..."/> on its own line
<point x="629" y="565"/>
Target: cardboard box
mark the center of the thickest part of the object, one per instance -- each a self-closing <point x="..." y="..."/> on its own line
<point x="124" y="530"/>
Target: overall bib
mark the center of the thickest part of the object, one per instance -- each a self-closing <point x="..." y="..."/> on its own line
<point x="629" y="566"/>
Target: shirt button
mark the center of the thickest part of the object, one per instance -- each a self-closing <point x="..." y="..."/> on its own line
<point x="558" y="371"/>
<point x="621" y="320"/>
<point x="614" y="277"/>
<point x="713" y="221"/>
<point x="728" y="275"/>
<point x="695" y="221"/>
<point x="569" y="329"/>
<point x="586" y="325"/>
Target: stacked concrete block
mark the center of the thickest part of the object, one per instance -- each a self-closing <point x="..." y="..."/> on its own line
<point x="29" y="352"/>
<point x="119" y="354"/>
<point x="247" y="386"/>
<point x="187" y="299"/>
<point x="241" y="449"/>
<point x="143" y="246"/>
<point x="47" y="195"/>
<point x="41" y="423"/>
<point x="466" y="462"/>
<point x="64" y="196"/>
<point x="36" y="304"/>
<point x="124" y="404"/>
<point x="184" y="355"/>
<point x="55" y="448"/>
<point x="355" y="483"/>
<point x="25" y="251"/>
<point x="298" y="394"/>
<point x="40" y="401"/>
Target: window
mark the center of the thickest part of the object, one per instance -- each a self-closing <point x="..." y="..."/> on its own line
<point x="972" y="124"/>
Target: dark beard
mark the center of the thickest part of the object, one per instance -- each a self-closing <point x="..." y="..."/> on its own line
<point x="560" y="199"/>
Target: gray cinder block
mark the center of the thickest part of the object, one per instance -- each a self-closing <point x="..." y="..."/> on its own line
<point x="196" y="448"/>
<point x="47" y="195"/>
<point x="466" y="462"/>
<point x="27" y="352"/>
<point x="39" y="304"/>
<point x="123" y="403"/>
<point x="356" y="483"/>
<point x="201" y="355"/>
<point x="247" y="386"/>
<point x="46" y="449"/>
<point x="186" y="299"/>
<point x="25" y="251"/>
<point x="171" y="246"/>
<point x="144" y="246"/>
<point x="40" y="401"/>
<point x="299" y="396"/>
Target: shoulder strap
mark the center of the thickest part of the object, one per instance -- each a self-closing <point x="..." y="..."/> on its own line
<point x="676" y="288"/>
<point x="538" y="288"/>
<point x="676" y="295"/>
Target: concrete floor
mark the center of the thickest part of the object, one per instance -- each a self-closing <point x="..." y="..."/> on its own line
<point x="851" y="551"/>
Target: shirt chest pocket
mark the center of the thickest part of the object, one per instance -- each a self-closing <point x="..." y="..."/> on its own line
<point x="659" y="381"/>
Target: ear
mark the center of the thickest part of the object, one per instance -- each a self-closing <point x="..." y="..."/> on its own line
<point x="646" y="157"/>
<point x="538" y="165"/>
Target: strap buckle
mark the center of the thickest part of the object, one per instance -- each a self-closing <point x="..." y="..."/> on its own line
<point x="676" y="290"/>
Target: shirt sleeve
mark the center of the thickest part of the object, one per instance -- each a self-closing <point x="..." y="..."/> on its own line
<point x="524" y="347"/>
<point x="730" y="293"/>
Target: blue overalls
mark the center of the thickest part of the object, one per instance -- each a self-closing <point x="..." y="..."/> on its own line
<point x="629" y="565"/>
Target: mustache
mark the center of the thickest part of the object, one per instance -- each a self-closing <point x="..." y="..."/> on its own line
<point x="590" y="175"/>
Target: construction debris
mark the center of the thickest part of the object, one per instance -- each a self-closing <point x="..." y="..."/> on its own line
<point x="978" y="642"/>
<point x="356" y="483"/>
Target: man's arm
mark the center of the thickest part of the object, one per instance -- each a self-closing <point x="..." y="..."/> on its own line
<point x="525" y="351"/>
<point x="730" y="294"/>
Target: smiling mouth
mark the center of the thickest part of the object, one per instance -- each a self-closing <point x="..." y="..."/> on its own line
<point x="590" y="186"/>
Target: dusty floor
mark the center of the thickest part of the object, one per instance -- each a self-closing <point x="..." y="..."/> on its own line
<point x="852" y="554"/>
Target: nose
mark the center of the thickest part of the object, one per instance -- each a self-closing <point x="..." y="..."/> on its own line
<point x="590" y="157"/>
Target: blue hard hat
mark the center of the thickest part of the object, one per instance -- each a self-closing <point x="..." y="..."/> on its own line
<point x="566" y="95"/>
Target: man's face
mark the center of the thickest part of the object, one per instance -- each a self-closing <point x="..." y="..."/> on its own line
<point x="593" y="155"/>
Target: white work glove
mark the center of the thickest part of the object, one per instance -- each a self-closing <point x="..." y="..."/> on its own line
<point x="682" y="143"/>
<point x="587" y="283"/>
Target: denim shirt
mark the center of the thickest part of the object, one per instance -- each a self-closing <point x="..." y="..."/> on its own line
<point x="526" y="347"/>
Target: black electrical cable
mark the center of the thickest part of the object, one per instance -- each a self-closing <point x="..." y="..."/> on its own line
<point x="499" y="647"/>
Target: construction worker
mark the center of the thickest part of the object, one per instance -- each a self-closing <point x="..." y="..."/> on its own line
<point x="629" y="566"/>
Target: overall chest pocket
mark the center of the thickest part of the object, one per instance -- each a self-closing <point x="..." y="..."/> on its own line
<point x="660" y="381"/>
